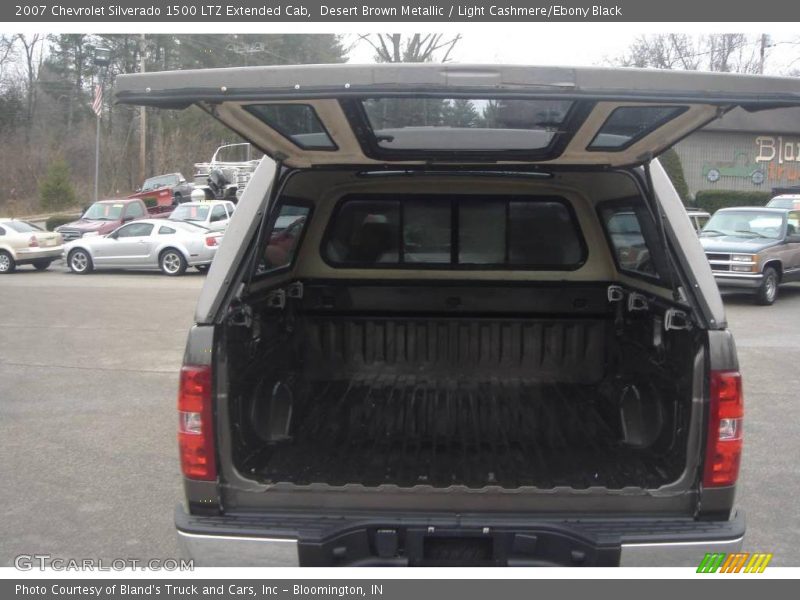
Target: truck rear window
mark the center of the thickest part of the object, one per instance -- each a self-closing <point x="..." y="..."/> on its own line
<point x="512" y="232"/>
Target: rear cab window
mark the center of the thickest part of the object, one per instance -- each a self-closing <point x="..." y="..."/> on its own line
<point x="454" y="232"/>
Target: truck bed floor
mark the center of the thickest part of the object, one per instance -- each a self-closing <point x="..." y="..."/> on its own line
<point x="409" y="430"/>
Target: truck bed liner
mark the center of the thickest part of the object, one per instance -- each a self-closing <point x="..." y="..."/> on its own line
<point x="412" y="430"/>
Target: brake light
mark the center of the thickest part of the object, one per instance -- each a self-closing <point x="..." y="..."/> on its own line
<point x="211" y="241"/>
<point x="195" y="424"/>
<point x="726" y="412"/>
<point x="33" y="242"/>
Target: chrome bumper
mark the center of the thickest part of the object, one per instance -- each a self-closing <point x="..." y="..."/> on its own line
<point x="656" y="543"/>
<point x="238" y="551"/>
<point x="738" y="280"/>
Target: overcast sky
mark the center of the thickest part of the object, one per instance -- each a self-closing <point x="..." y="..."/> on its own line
<point x="552" y="46"/>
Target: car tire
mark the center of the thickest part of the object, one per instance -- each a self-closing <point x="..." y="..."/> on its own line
<point x="80" y="262"/>
<point x="43" y="264"/>
<point x="202" y="268"/>
<point x="7" y="263"/>
<point x="172" y="262"/>
<point x="177" y="199"/>
<point x="768" y="291"/>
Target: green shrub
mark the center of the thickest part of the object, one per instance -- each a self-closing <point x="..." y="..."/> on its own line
<point x="672" y="165"/>
<point x="57" y="220"/>
<point x="713" y="200"/>
<point x="55" y="189"/>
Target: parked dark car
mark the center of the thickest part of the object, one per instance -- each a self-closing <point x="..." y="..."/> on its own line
<point x="454" y="352"/>
<point x="754" y="248"/>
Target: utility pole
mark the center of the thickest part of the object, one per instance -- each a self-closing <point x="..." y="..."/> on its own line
<point x="142" y="121"/>
<point x="762" y="52"/>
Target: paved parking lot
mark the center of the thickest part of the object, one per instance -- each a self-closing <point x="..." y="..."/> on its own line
<point x="88" y="373"/>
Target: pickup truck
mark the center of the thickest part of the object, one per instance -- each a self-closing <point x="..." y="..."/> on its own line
<point x="754" y="249"/>
<point x="494" y="343"/>
<point x="104" y="216"/>
<point x="166" y="190"/>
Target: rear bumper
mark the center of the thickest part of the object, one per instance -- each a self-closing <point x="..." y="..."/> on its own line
<point x="29" y="255"/>
<point x="750" y="281"/>
<point x="297" y="540"/>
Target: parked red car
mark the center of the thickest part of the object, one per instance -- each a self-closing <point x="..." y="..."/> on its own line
<point x="104" y="216"/>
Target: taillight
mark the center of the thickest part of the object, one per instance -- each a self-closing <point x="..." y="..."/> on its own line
<point x="195" y="424"/>
<point x="211" y="241"/>
<point x="726" y="411"/>
<point x="33" y="242"/>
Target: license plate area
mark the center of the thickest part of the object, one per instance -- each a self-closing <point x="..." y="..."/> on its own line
<point x="430" y="546"/>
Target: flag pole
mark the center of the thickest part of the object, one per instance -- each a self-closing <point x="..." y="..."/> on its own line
<point x="97" y="158"/>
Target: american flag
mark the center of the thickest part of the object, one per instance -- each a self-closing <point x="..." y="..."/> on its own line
<point x="97" y="103"/>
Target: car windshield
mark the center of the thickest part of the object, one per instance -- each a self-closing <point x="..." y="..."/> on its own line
<point x="21" y="227"/>
<point x="781" y="203"/>
<point x="190" y="212"/>
<point x="104" y="211"/>
<point x="742" y="223"/>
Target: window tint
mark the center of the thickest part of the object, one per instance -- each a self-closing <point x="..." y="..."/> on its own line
<point x="135" y="230"/>
<point x="465" y="123"/>
<point x="2" y="231"/>
<point x="22" y="227"/>
<point x="542" y="234"/>
<point x="165" y="230"/>
<point x="628" y="124"/>
<point x="134" y="210"/>
<point x="624" y="228"/>
<point x="426" y="232"/>
<point x="508" y="232"/>
<point x="365" y="232"/>
<point x="218" y="213"/>
<point x="297" y="122"/>
<point x="284" y="238"/>
<point x="793" y="223"/>
<point x="482" y="232"/>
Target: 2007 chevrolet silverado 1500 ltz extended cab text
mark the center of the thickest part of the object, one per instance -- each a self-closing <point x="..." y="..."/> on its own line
<point x="492" y="340"/>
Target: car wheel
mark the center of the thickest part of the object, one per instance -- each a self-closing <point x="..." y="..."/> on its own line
<point x="7" y="264"/>
<point x="202" y="268"/>
<point x="80" y="262"/>
<point x="42" y="265"/>
<point x="768" y="291"/>
<point x="177" y="199"/>
<point x="172" y="262"/>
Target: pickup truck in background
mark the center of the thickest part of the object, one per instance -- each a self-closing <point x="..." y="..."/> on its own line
<point x="104" y="216"/>
<point x="167" y="190"/>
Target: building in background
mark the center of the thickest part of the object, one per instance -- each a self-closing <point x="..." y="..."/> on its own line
<point x="745" y="152"/>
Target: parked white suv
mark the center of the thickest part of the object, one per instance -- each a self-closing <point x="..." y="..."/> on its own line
<point x="212" y="214"/>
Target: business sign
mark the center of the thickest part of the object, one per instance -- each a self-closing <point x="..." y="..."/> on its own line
<point x="781" y="155"/>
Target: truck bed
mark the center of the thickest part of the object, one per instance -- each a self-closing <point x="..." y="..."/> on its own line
<point x="407" y="430"/>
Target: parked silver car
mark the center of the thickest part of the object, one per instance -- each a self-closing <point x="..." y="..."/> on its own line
<point x="147" y="244"/>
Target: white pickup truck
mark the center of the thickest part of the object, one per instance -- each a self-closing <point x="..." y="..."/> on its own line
<point x="213" y="214"/>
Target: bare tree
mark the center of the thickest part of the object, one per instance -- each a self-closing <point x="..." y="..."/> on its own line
<point x="6" y="52"/>
<point x="417" y="48"/>
<point x="32" y="63"/>
<point x="727" y="52"/>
